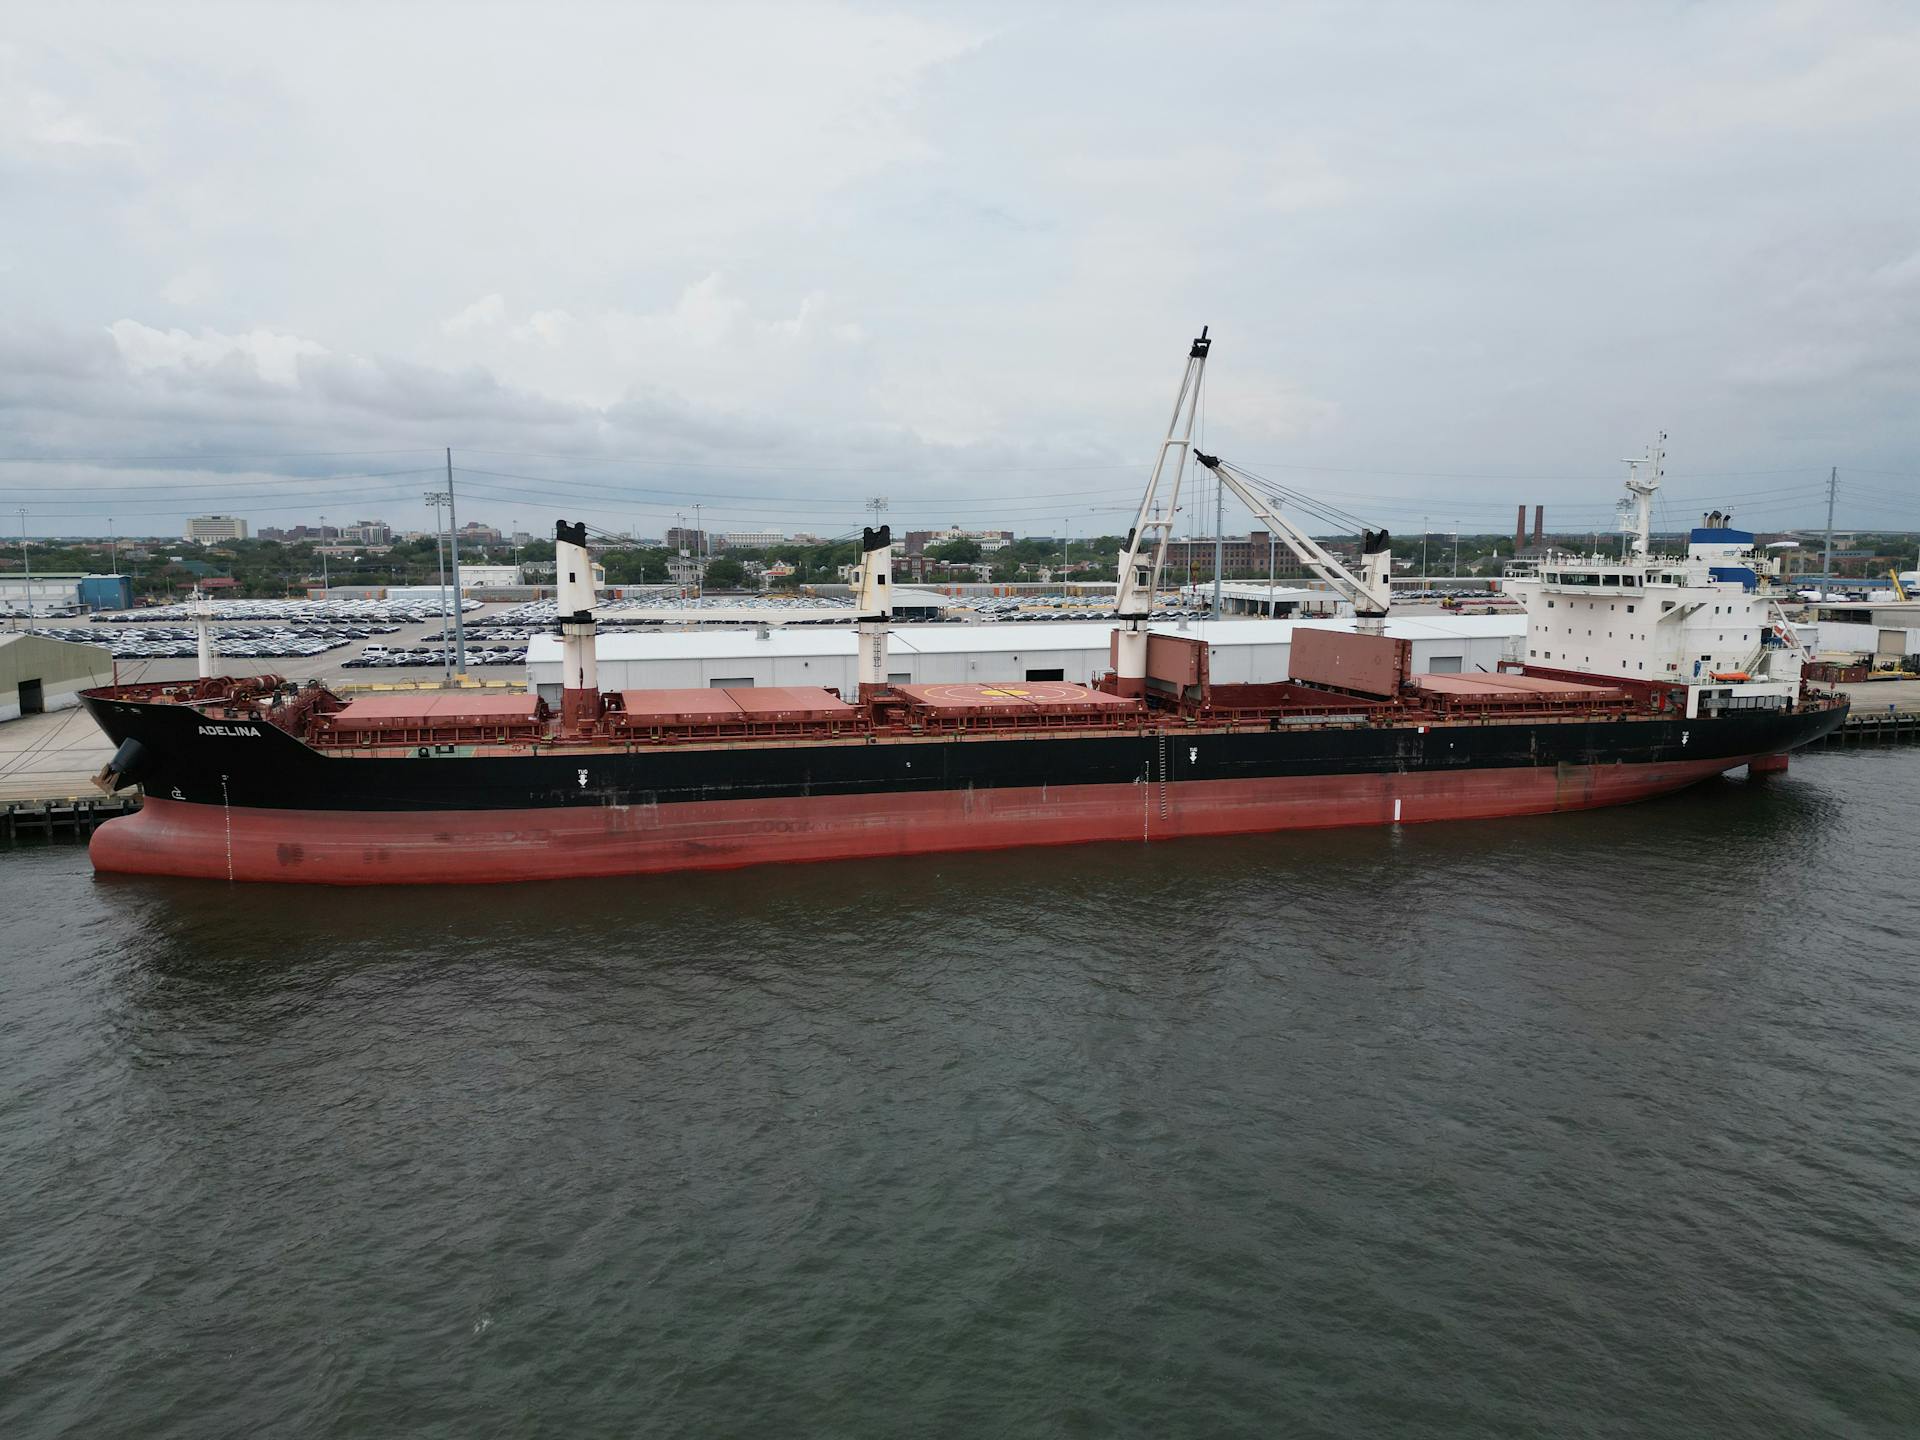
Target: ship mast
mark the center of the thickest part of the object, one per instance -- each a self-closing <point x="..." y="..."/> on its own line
<point x="206" y="651"/>
<point x="1642" y="489"/>
<point x="873" y="607"/>
<point x="580" y="663"/>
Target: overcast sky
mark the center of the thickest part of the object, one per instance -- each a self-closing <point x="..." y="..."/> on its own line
<point x="776" y="259"/>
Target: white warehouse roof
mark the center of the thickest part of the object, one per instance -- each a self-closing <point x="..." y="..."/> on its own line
<point x="1243" y="650"/>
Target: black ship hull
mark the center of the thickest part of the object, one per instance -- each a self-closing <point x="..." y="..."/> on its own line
<point x="244" y="799"/>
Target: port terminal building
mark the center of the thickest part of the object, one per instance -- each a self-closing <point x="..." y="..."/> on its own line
<point x="1242" y="652"/>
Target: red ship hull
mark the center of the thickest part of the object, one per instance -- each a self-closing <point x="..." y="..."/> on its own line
<point x="345" y="847"/>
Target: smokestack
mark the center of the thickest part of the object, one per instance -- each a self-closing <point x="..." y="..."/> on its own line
<point x="1520" y="530"/>
<point x="1539" y="526"/>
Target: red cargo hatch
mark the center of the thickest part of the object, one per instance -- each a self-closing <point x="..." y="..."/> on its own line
<point x="429" y="711"/>
<point x="1033" y="697"/>
<point x="790" y="704"/>
<point x="771" y="705"/>
<point x="1509" y="688"/>
<point x="679" y="707"/>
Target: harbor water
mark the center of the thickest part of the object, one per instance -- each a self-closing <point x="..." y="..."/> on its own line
<point x="1591" y="1125"/>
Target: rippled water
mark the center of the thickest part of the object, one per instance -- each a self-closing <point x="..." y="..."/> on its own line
<point x="1596" y="1125"/>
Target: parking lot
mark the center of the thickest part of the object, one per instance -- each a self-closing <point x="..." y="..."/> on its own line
<point x="301" y="650"/>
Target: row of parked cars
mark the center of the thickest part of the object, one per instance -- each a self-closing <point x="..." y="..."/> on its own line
<point x="379" y="657"/>
<point x="358" y="612"/>
<point x="237" y="642"/>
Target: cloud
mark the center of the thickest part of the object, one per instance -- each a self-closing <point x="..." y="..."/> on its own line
<point x="274" y="358"/>
<point x="190" y="287"/>
<point x="783" y="246"/>
<point x="483" y="314"/>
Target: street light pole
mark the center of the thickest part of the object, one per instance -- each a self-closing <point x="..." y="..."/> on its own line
<point x="326" y="586"/>
<point x="453" y="564"/>
<point x="26" y="560"/>
<point x="437" y="498"/>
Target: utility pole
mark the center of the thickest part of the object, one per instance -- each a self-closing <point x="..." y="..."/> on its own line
<point x="113" y="548"/>
<point x="453" y="564"/>
<point x="325" y="587"/>
<point x="1456" y="549"/>
<point x="700" y="530"/>
<point x="1833" y="484"/>
<point x="1425" y="531"/>
<point x="26" y="561"/>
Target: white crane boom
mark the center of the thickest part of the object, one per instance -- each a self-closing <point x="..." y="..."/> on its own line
<point x="1140" y="577"/>
<point x="1140" y="582"/>
<point x="1370" y="592"/>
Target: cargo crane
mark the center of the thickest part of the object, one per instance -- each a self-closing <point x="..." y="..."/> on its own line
<point x="1139" y="575"/>
<point x="1370" y="592"/>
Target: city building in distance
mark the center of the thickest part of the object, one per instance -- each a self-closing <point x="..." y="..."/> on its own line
<point x="988" y="540"/>
<point x="213" y="529"/>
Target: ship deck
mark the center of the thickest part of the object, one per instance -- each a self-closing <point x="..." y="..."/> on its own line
<point x="389" y="726"/>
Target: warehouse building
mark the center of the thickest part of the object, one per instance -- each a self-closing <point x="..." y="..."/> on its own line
<point x="59" y="592"/>
<point x="37" y="674"/>
<point x="1242" y="652"/>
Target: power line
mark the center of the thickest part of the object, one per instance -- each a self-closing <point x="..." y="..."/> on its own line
<point x="208" y="455"/>
<point x="251" y="479"/>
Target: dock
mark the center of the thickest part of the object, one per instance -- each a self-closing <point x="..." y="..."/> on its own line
<point x="71" y="816"/>
<point x="1877" y="727"/>
<point x="1885" y="712"/>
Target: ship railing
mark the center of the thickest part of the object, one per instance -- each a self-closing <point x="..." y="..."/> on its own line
<point x="712" y="732"/>
<point x="925" y="722"/>
<point x="1450" y="708"/>
<point x="417" y="736"/>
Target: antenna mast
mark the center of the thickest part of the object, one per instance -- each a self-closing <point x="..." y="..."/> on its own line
<point x="1642" y="490"/>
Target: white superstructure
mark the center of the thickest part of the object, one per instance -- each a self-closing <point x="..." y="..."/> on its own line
<point x="1698" y="620"/>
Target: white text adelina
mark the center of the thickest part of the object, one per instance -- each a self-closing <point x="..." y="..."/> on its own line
<point x="253" y="730"/>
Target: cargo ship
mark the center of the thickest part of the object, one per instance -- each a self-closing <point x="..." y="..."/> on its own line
<point x="1640" y="675"/>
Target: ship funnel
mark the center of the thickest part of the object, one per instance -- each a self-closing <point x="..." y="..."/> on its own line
<point x="580" y="661"/>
